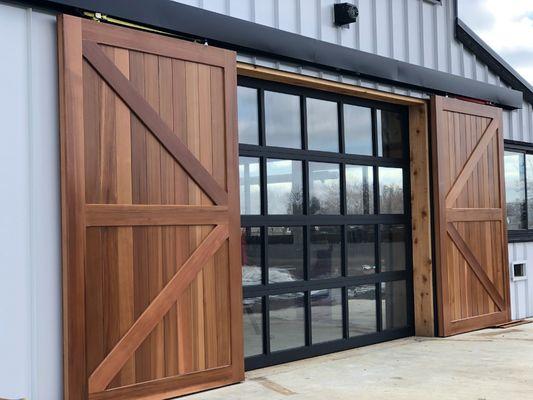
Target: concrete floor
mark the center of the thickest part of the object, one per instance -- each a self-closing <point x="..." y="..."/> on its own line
<point x="484" y="365"/>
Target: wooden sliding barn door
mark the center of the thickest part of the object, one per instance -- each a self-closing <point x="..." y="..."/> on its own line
<point x="151" y="239"/>
<point x="469" y="200"/>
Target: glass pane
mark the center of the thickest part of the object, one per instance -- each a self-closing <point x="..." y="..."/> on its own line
<point x="357" y="130"/>
<point x="249" y="185"/>
<point x="251" y="255"/>
<point x="326" y="315"/>
<point x="325" y="249"/>
<point x="282" y="120"/>
<point x="284" y="187"/>
<point x="253" y="326"/>
<point x="248" y="115"/>
<point x="285" y="254"/>
<point x="359" y="189"/>
<point x="324" y="190"/>
<point x="393" y="305"/>
<point x="389" y="134"/>
<point x="390" y="190"/>
<point x="322" y="125"/>
<point x="515" y="195"/>
<point x="287" y="321"/>
<point x="362" y="310"/>
<point x="360" y="248"/>
<point x="529" y="175"/>
<point x="392" y="248"/>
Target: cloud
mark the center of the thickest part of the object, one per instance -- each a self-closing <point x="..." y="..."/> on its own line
<point x="507" y="26"/>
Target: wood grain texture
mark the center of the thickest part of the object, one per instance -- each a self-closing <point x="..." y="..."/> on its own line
<point x="470" y="245"/>
<point x="151" y="239"/>
<point x="421" y="221"/>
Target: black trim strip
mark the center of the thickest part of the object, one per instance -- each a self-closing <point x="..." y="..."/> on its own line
<point x="255" y="39"/>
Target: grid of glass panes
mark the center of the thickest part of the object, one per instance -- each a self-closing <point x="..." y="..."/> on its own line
<point x="518" y="168"/>
<point x="325" y="224"/>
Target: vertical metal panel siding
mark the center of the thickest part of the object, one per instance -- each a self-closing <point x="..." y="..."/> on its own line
<point x="30" y="283"/>
<point x="522" y="290"/>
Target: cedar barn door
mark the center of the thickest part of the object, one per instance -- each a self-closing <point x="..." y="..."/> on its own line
<point x="469" y="200"/>
<point x="151" y="239"/>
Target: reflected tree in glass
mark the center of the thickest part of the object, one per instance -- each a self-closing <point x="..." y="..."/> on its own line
<point x="324" y="188"/>
<point x="359" y="189"/>
<point x="284" y="187"/>
<point x="515" y="194"/>
<point x="390" y="190"/>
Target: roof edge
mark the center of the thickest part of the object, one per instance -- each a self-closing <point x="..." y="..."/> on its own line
<point x="465" y="35"/>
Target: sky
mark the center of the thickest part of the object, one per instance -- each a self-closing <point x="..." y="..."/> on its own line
<point x="506" y="26"/>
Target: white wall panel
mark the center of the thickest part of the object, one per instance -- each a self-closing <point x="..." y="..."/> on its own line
<point x="30" y="284"/>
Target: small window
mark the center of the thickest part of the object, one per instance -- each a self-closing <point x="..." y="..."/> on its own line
<point x="518" y="270"/>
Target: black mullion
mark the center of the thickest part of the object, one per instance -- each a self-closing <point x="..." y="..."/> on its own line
<point x="378" y="307"/>
<point x="266" y="324"/>
<point x="294" y="220"/>
<point x="342" y="146"/>
<point x="303" y="122"/>
<point x="264" y="250"/>
<point x="345" y="314"/>
<point x="307" y="278"/>
<point x="261" y="105"/>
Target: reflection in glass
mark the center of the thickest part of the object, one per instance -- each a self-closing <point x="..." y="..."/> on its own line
<point x="284" y="187"/>
<point x="326" y="315"/>
<point x="322" y="125"/>
<point x="357" y="130"/>
<point x="324" y="190"/>
<point x="325" y="246"/>
<point x="248" y="115"/>
<point x="287" y="322"/>
<point x="392" y="250"/>
<point x="389" y="134"/>
<point x="359" y="189"/>
<point x="529" y="175"/>
<point x="282" y="120"/>
<point x="251" y="255"/>
<point x="250" y="190"/>
<point x="253" y="326"/>
<point x="515" y="195"/>
<point x="393" y="305"/>
<point x="390" y="190"/>
<point x="285" y="253"/>
<point x="362" y="310"/>
<point x="360" y="248"/>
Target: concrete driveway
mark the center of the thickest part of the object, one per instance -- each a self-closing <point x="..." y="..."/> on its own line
<point x="491" y="364"/>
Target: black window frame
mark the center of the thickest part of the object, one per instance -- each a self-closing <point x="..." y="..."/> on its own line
<point x="306" y="220"/>
<point x="520" y="235"/>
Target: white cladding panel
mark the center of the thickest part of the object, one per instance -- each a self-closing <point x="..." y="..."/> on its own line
<point x="30" y="273"/>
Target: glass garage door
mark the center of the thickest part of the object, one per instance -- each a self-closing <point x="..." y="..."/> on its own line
<point x="324" y="191"/>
